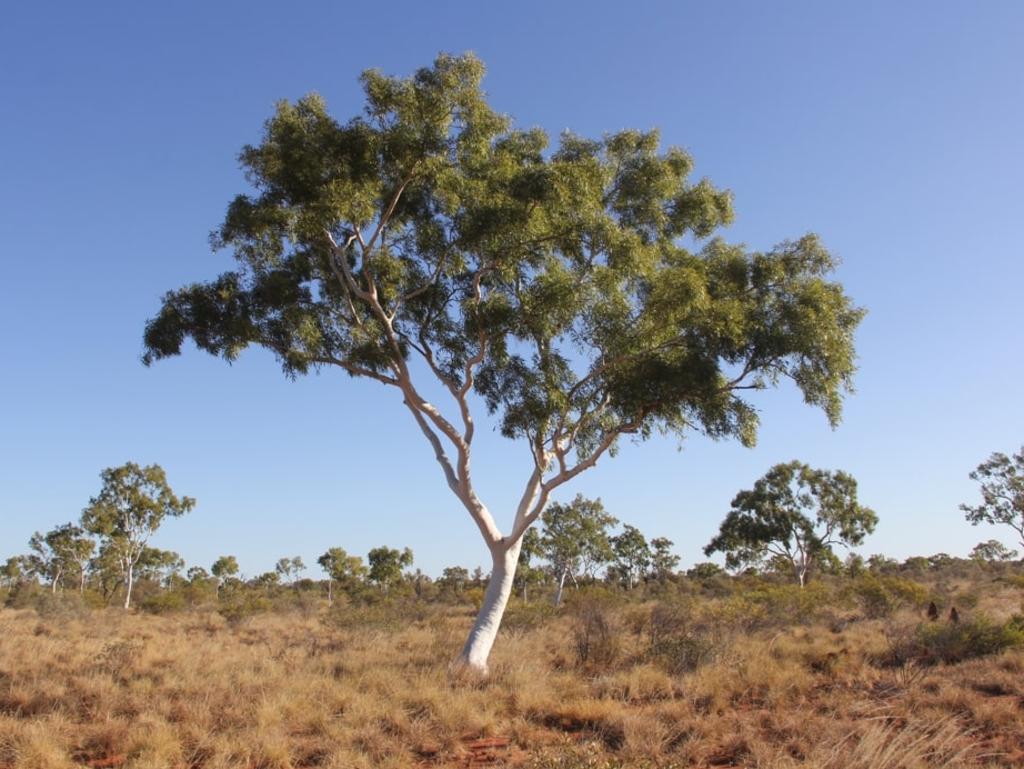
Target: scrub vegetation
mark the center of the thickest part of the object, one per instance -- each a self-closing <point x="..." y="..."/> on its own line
<point x="698" y="669"/>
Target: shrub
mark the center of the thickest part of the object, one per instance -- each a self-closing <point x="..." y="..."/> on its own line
<point x="527" y="616"/>
<point x="594" y="636"/>
<point x="242" y="604"/>
<point x="879" y="595"/>
<point x="163" y="602"/>
<point x="934" y="643"/>
<point x="679" y="642"/>
<point x="977" y="637"/>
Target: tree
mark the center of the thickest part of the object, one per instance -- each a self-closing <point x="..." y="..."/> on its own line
<point x="162" y="566"/>
<point x="575" y="539"/>
<point x="290" y="568"/>
<point x="663" y="561"/>
<point x="347" y="570"/>
<point x="61" y="551"/>
<point x="13" y="571"/>
<point x="430" y="240"/>
<point x="632" y="554"/>
<point x="223" y="569"/>
<point x="704" y="571"/>
<point x="386" y="565"/>
<point x="796" y="514"/>
<point x="130" y="507"/>
<point x="526" y="573"/>
<point x="992" y="551"/>
<point x="1002" y="492"/>
<point x="454" y="579"/>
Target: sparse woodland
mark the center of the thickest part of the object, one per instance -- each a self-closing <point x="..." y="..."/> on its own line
<point x="699" y="670"/>
<point x="576" y="294"/>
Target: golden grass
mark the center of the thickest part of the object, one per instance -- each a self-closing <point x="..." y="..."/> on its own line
<point x="288" y="691"/>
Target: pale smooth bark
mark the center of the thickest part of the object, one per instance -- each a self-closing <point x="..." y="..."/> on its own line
<point x="485" y="629"/>
<point x="129" y="580"/>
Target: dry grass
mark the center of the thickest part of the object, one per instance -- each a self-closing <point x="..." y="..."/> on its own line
<point x="286" y="691"/>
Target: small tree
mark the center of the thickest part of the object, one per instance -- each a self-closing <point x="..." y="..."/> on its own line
<point x="290" y="568"/>
<point x="347" y="570"/>
<point x="663" y="561"/>
<point x="43" y="562"/>
<point x="526" y="573"/>
<point x="1002" y="492"/>
<point x="575" y="290"/>
<point x="161" y="566"/>
<point x="454" y="579"/>
<point x="223" y="569"/>
<point x="129" y="509"/>
<point x="796" y="514"/>
<point x="575" y="539"/>
<point x="992" y="551"/>
<point x="14" y="570"/>
<point x="632" y="555"/>
<point x="386" y="566"/>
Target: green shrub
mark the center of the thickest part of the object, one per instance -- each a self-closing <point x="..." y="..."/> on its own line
<point x="164" y="602"/>
<point x="242" y="604"/>
<point x="879" y="595"/>
<point x="977" y="637"/>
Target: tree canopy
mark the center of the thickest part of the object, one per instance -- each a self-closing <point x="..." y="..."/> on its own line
<point x="796" y="514"/>
<point x="1002" y="492"/>
<point x="130" y="507"/>
<point x="575" y="289"/>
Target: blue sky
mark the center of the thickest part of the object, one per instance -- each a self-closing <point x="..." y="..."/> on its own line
<point x="892" y="130"/>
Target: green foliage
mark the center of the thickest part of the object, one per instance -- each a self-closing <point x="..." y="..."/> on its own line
<point x="289" y="569"/>
<point x="133" y="502"/>
<point x="348" y="571"/>
<point x="224" y="568"/>
<point x="992" y="551"/>
<point x="575" y="539"/>
<point x="164" y="602"/>
<point x="880" y="595"/>
<point x="795" y="514"/>
<point x="632" y="555"/>
<point x="947" y="642"/>
<point x="704" y="570"/>
<point x="1002" y="492"/>
<point x="386" y="566"/>
<point x="238" y="605"/>
<point x="663" y="561"/>
<point x="432" y="227"/>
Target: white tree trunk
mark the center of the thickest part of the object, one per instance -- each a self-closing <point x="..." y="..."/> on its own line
<point x="129" y="580"/>
<point x="485" y="629"/>
<point x="561" y="587"/>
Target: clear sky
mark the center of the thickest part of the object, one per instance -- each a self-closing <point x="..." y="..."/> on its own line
<point x="894" y="130"/>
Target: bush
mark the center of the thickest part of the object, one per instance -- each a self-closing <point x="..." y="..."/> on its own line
<point x="242" y="604"/>
<point x="163" y="602"/>
<point x="936" y="643"/>
<point x="977" y="637"/>
<point x="679" y="643"/>
<point x="879" y="595"/>
<point x="521" y="617"/>
<point x="595" y="638"/>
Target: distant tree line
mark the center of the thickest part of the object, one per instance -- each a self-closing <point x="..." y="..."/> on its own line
<point x="789" y="524"/>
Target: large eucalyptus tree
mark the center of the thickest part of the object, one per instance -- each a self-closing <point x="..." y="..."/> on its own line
<point x="573" y="289"/>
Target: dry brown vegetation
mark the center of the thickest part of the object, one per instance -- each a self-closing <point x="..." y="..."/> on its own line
<point x="683" y="680"/>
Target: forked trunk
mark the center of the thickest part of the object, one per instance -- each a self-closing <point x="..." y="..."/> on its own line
<point x="485" y="629"/>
